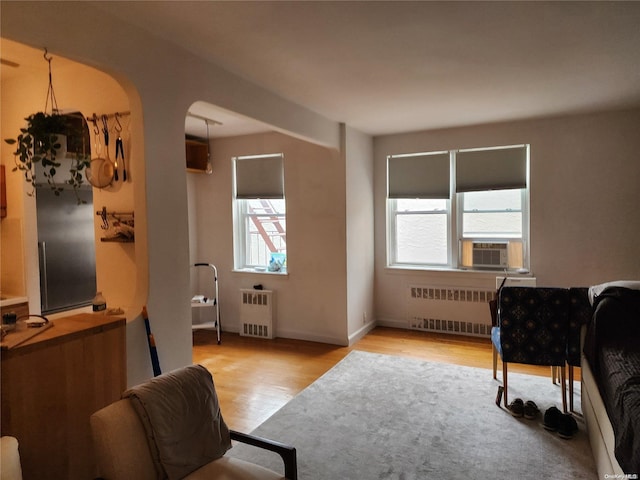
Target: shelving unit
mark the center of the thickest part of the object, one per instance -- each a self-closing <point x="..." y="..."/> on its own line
<point x="200" y="301"/>
<point x="118" y="226"/>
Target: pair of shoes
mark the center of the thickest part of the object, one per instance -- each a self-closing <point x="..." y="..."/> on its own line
<point x="528" y="410"/>
<point x="563" y="423"/>
<point x="568" y="426"/>
<point x="552" y="419"/>
<point x="516" y="408"/>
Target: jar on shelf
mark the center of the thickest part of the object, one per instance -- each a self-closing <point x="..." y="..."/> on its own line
<point x="99" y="303"/>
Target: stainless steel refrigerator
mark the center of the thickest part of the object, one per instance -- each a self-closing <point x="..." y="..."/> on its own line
<point x="66" y="245"/>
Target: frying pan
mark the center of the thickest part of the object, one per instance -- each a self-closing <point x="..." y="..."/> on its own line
<point x="100" y="171"/>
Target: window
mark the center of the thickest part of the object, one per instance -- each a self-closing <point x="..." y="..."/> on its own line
<point x="459" y="209"/>
<point x="260" y="214"/>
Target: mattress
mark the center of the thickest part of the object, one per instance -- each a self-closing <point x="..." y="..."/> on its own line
<point x="613" y="352"/>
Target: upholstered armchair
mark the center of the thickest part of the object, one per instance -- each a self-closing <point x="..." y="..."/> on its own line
<point x="171" y="427"/>
<point x="532" y="329"/>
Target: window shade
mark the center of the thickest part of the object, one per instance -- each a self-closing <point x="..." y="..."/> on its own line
<point x="491" y="169"/>
<point x="259" y="177"/>
<point x="419" y="176"/>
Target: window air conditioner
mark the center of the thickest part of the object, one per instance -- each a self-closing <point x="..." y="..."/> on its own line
<point x="490" y="254"/>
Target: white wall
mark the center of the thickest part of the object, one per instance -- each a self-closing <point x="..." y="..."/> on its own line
<point x="311" y="298"/>
<point x="358" y="153"/>
<point x="585" y="186"/>
<point x="161" y="82"/>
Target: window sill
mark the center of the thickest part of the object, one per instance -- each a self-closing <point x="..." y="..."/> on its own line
<point x="480" y="272"/>
<point x="260" y="271"/>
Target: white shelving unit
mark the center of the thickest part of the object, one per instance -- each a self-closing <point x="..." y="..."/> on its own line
<point x="200" y="301"/>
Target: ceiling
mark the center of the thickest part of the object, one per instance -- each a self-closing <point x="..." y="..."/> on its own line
<point x="391" y="66"/>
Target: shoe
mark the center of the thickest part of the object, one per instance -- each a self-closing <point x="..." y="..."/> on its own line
<point x="551" y="420"/>
<point x="516" y="407"/>
<point x="567" y="426"/>
<point x="531" y="410"/>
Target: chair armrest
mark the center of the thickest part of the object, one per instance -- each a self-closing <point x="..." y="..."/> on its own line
<point x="287" y="452"/>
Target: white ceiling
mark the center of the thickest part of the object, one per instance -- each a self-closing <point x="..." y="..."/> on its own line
<point x="392" y="66"/>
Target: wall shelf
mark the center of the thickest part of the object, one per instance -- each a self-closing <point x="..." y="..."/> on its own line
<point x="118" y="226"/>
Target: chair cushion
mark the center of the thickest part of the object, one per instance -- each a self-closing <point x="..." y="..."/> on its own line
<point x="10" y="465"/>
<point x="226" y="468"/>
<point x="495" y="339"/>
<point x="120" y="443"/>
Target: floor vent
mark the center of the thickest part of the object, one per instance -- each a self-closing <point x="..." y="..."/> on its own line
<point x="455" y="310"/>
<point x="256" y="313"/>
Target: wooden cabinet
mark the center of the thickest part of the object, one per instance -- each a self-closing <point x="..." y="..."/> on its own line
<point x="197" y="153"/>
<point x="52" y="383"/>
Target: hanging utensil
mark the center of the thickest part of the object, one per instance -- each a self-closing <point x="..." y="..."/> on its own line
<point x="120" y="150"/>
<point x="105" y="130"/>
<point x="100" y="170"/>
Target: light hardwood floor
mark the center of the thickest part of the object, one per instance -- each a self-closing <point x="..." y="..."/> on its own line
<point x="256" y="377"/>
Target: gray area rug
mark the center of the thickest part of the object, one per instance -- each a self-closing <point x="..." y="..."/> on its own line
<point x="377" y="416"/>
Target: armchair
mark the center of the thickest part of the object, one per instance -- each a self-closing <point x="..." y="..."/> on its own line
<point x="532" y="329"/>
<point x="159" y="430"/>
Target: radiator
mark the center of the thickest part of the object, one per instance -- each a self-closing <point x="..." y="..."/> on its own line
<point x="256" y="313"/>
<point x="455" y="310"/>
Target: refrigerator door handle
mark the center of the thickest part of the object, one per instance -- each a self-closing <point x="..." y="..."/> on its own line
<point x="43" y="276"/>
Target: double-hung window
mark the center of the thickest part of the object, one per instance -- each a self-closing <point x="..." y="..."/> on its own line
<point x="459" y="209"/>
<point x="259" y="213"/>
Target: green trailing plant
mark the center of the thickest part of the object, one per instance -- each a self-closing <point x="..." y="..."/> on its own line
<point x="40" y="142"/>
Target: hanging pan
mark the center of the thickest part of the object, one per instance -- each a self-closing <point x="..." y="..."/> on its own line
<point x="100" y="171"/>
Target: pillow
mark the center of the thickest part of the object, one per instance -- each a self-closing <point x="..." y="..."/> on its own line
<point x="596" y="290"/>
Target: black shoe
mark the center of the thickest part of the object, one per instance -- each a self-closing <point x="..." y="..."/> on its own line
<point x="567" y="426"/>
<point x="551" y="420"/>
<point x="516" y="407"/>
<point x="531" y="410"/>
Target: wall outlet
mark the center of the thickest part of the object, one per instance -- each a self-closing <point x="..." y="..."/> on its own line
<point x="364" y="318"/>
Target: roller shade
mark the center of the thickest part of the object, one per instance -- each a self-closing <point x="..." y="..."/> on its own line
<point x="491" y="169"/>
<point x="259" y="176"/>
<point x="419" y="176"/>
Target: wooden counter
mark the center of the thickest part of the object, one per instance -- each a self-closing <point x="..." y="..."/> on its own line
<point x="52" y="383"/>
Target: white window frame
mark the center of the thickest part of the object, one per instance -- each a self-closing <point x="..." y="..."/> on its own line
<point x="392" y="215"/>
<point x="455" y="210"/>
<point x="241" y="227"/>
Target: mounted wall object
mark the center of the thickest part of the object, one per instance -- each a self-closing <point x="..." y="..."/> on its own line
<point x="50" y="139"/>
<point x="197" y="153"/>
<point x="197" y="150"/>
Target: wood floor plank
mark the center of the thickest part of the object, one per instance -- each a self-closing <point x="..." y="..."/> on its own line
<point x="256" y="377"/>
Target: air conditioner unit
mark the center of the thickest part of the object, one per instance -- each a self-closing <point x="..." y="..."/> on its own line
<point x="490" y="254"/>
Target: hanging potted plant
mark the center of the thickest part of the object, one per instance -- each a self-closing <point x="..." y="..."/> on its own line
<point x="43" y="142"/>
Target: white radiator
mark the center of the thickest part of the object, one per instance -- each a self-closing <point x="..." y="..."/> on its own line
<point x="256" y="313"/>
<point x="455" y="310"/>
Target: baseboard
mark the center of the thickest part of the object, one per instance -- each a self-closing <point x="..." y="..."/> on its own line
<point x="392" y="322"/>
<point x="361" y="332"/>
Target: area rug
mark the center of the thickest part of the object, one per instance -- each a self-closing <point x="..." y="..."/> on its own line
<point x="378" y="416"/>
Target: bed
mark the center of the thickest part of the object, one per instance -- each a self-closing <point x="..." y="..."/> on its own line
<point x="611" y="378"/>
